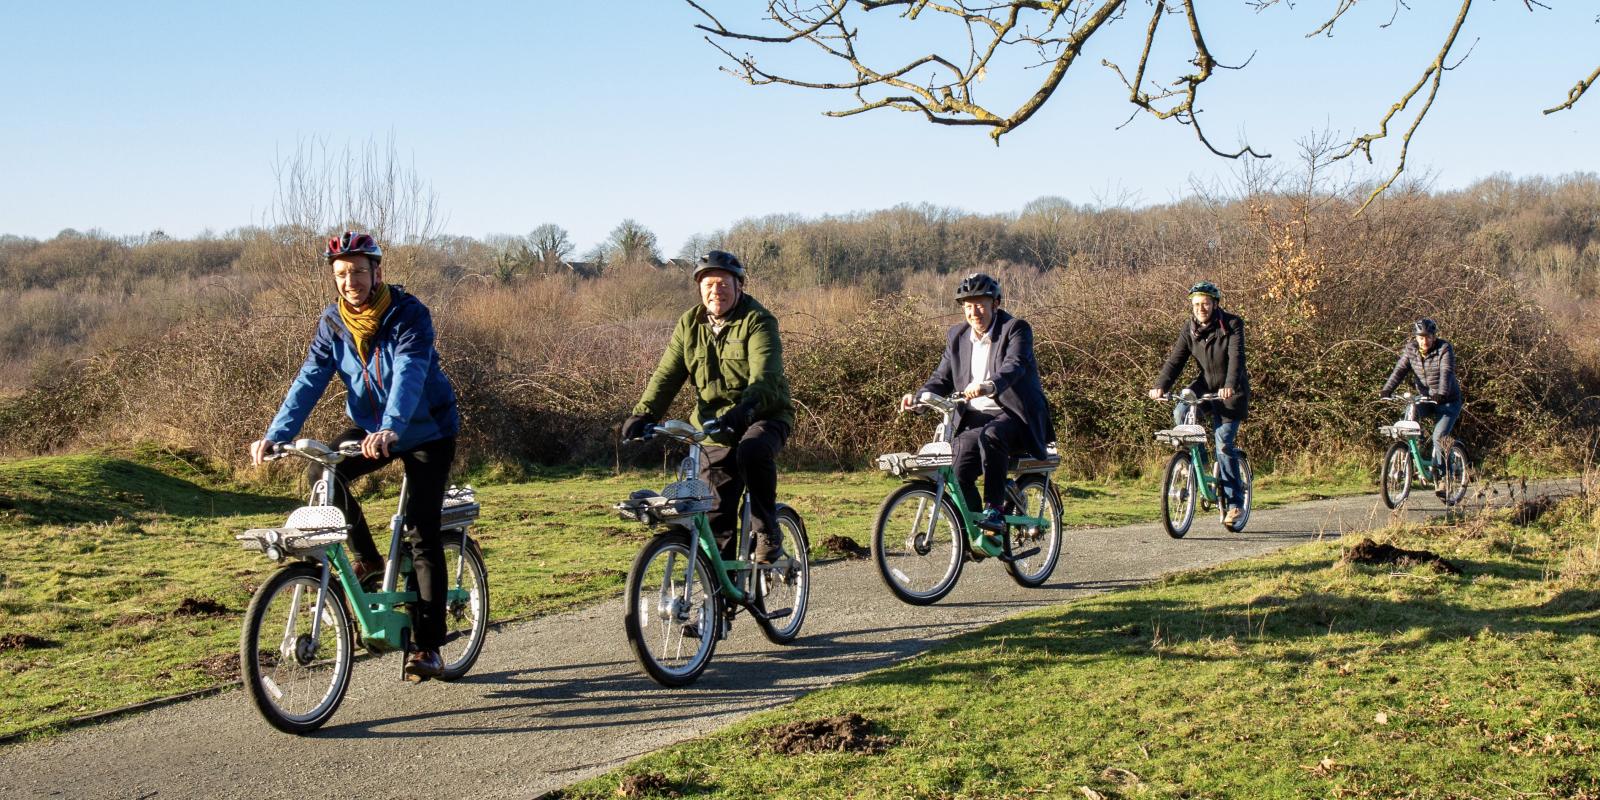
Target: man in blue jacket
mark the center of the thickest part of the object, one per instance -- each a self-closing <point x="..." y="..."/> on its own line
<point x="379" y="341"/>
<point x="989" y="358"/>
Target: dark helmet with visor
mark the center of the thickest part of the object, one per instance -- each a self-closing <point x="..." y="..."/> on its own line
<point x="719" y="259"/>
<point x="1206" y="288"/>
<point x="353" y="244"/>
<point x="978" y="285"/>
<point x="1424" y="327"/>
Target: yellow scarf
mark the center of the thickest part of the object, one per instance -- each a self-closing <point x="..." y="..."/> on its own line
<point x="363" y="323"/>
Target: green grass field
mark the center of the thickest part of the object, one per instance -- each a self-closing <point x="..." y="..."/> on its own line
<point x="121" y="580"/>
<point x="1291" y="675"/>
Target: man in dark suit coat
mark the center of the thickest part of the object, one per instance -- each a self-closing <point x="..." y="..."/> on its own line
<point x="1006" y="411"/>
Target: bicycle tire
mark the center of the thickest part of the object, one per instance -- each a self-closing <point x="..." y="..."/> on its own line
<point x="1180" y="487"/>
<point x="1457" y="473"/>
<point x="1039" y="499"/>
<point x="1394" y="477"/>
<point x="464" y="571"/>
<point x="935" y="558"/>
<point x="653" y="620"/>
<point x="786" y="584"/>
<point x="272" y="676"/>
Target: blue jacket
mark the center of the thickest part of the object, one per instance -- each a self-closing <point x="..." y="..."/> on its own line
<point x="1012" y="368"/>
<point x="403" y="389"/>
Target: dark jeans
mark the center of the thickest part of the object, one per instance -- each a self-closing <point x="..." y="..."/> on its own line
<point x="983" y="445"/>
<point x="1227" y="432"/>
<point x="1446" y="415"/>
<point x="427" y="476"/>
<point x="753" y="462"/>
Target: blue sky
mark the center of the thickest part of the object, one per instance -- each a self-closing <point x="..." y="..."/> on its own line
<point x="134" y="116"/>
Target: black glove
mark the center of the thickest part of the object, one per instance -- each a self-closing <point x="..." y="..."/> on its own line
<point x="635" y="426"/>
<point x="1385" y="395"/>
<point x="735" y="421"/>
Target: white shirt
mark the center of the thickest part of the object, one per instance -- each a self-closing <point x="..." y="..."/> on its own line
<point x="980" y="367"/>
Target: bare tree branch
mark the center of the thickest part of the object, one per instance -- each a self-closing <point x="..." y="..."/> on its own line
<point x="1576" y="92"/>
<point x="1432" y="77"/>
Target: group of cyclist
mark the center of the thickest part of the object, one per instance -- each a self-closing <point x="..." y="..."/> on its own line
<point x="379" y="340"/>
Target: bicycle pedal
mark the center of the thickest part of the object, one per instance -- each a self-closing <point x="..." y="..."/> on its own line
<point x="1014" y="557"/>
<point x="779" y="614"/>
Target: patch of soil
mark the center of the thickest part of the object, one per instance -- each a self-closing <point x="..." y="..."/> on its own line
<point x="646" y="785"/>
<point x="201" y="607"/>
<point x="24" y="641"/>
<point x="220" y="667"/>
<point x="626" y="534"/>
<point x="845" y="546"/>
<point x="1370" y="552"/>
<point x="846" y="733"/>
<point x="1528" y="512"/>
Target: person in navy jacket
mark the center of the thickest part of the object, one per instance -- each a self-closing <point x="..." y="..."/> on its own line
<point x="379" y="341"/>
<point x="989" y="360"/>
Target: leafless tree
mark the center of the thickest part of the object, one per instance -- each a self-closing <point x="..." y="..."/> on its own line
<point x="551" y="245"/>
<point x="944" y="86"/>
<point x="633" y="243"/>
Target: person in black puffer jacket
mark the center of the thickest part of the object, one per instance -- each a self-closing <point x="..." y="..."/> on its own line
<point x="1215" y="339"/>
<point x="1430" y="362"/>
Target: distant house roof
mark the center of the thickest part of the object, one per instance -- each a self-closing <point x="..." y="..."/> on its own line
<point x="583" y="269"/>
<point x="685" y="264"/>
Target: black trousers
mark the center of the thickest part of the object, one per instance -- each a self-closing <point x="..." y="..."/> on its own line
<point x="753" y="463"/>
<point x="983" y="446"/>
<point x="427" y="476"/>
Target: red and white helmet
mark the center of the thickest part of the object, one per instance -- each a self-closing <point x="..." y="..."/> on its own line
<point x="354" y="244"/>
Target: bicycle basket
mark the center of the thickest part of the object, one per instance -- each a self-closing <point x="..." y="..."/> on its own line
<point x="1404" y="429"/>
<point x="652" y="507"/>
<point x="460" y="508"/>
<point x="1182" y="434"/>
<point x="309" y="529"/>
<point x="930" y="458"/>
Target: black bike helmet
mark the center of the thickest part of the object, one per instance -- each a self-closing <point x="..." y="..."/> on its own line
<point x="719" y="259"/>
<point x="1206" y="288"/>
<point x="353" y="244"/>
<point x="978" y="285"/>
<point x="1424" y="327"/>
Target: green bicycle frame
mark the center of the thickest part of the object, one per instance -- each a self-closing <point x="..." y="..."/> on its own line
<point x="1199" y="456"/>
<point x="946" y="485"/>
<point x="713" y="553"/>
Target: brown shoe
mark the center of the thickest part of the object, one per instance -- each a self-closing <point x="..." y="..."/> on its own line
<point x="424" y="664"/>
<point x="768" y="548"/>
<point x="366" y="569"/>
<point x="1233" y="515"/>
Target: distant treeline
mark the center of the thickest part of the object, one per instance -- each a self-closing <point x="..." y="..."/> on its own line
<point x="193" y="341"/>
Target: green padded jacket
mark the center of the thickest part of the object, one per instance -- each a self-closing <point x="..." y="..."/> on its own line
<point x="743" y="363"/>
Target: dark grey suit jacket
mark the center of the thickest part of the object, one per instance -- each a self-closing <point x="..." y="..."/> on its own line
<point x="1012" y="368"/>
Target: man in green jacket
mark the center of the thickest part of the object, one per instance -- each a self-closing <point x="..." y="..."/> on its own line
<point x="728" y="345"/>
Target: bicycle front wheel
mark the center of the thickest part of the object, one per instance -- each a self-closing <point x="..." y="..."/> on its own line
<point x="1180" y="485"/>
<point x="1456" y="474"/>
<point x="1035" y="498"/>
<point x="672" y="621"/>
<point x="466" y="615"/>
<point x="1396" y="477"/>
<point x="917" y="544"/>
<point x="296" y="680"/>
<point x="783" y="588"/>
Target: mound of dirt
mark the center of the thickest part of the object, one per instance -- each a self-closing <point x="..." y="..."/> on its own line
<point x="24" y="641"/>
<point x="1370" y="552"/>
<point x="201" y="607"/>
<point x="847" y="733"/>
<point x="649" y="784"/>
<point x="220" y="667"/>
<point x="845" y="546"/>
<point x="1527" y="512"/>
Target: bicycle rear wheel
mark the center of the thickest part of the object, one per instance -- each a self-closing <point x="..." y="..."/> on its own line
<point x="918" y="557"/>
<point x="295" y="681"/>
<point x="1035" y="498"/>
<point x="1396" y="477"/>
<point x="466" y="616"/>
<point x="672" y="623"/>
<point x="785" y="585"/>
<point x="1180" y="486"/>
